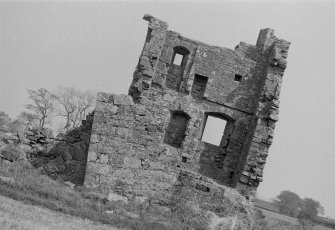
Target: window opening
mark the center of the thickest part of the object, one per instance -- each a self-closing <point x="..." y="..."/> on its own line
<point x="177" y="67"/>
<point x="238" y="77"/>
<point x="214" y="130"/>
<point x="175" y="132"/>
<point x="199" y="86"/>
<point x="178" y="58"/>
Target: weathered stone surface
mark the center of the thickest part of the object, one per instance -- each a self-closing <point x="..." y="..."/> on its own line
<point x="38" y="149"/>
<point x="26" y="149"/>
<point x="142" y="144"/>
<point x="55" y="166"/>
<point x="122" y="100"/>
<point x="70" y="184"/>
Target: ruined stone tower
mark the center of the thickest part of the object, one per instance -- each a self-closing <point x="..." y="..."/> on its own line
<point x="151" y="140"/>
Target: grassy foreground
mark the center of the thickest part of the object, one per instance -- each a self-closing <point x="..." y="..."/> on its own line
<point x="24" y="183"/>
<point x="30" y="187"/>
<point x="15" y="215"/>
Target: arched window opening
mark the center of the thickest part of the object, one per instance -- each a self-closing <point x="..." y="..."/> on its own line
<point x="175" y="132"/>
<point x="181" y="53"/>
<point x="177" y="67"/>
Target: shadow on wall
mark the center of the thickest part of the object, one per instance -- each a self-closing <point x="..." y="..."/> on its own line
<point x="217" y="160"/>
<point x="211" y="163"/>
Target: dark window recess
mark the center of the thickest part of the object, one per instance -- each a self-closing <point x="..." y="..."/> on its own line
<point x="199" y="86"/>
<point x="183" y="159"/>
<point x="231" y="175"/>
<point x="175" y="133"/>
<point x="238" y="77"/>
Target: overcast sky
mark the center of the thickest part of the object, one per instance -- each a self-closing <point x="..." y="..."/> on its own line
<point x="96" y="45"/>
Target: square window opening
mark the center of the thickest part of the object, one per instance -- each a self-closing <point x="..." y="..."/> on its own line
<point x="238" y="77"/>
<point x="214" y="130"/>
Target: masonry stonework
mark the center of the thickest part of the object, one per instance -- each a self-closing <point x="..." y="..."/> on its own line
<point x="149" y="141"/>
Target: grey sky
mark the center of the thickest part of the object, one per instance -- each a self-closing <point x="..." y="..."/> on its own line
<point x="96" y="45"/>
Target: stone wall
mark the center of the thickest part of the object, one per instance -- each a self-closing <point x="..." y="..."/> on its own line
<point x="266" y="115"/>
<point x="142" y="142"/>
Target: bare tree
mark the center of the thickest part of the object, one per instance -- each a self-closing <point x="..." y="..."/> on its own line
<point x="66" y="97"/>
<point x="42" y="105"/>
<point x="74" y="105"/>
<point x="27" y="119"/>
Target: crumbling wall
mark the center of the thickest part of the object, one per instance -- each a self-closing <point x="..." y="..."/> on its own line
<point x="142" y="142"/>
<point x="62" y="158"/>
<point x="65" y="158"/>
<point x="266" y="115"/>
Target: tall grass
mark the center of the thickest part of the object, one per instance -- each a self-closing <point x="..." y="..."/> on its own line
<point x="36" y="189"/>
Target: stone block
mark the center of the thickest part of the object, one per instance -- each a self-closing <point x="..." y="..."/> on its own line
<point x="70" y="184"/>
<point x="103" y="97"/>
<point x="94" y="138"/>
<point x="103" y="159"/>
<point x="92" y="156"/>
<point x="123" y="100"/>
<point x="113" y="197"/>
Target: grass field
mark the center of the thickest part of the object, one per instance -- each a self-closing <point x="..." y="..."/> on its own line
<point x="288" y="219"/>
<point x="34" y="189"/>
<point x="41" y="203"/>
<point x="15" y="215"/>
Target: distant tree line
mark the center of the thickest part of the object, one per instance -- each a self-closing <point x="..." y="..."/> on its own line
<point x="306" y="210"/>
<point x="71" y="104"/>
